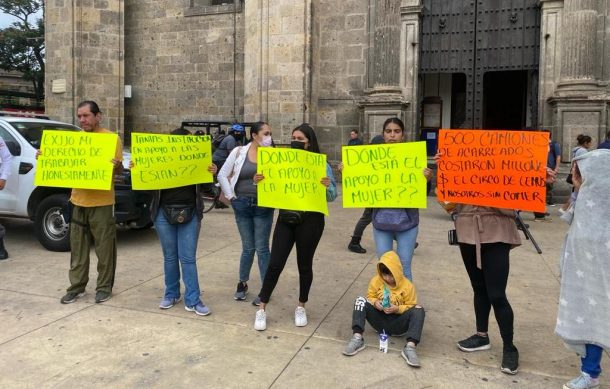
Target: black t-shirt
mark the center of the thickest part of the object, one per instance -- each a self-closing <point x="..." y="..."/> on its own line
<point x="184" y="195"/>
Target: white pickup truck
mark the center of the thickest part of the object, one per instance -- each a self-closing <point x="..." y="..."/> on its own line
<point x="46" y="206"/>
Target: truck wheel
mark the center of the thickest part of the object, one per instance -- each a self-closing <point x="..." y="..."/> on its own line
<point x="52" y="230"/>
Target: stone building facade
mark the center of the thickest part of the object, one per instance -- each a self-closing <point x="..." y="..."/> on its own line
<point x="339" y="65"/>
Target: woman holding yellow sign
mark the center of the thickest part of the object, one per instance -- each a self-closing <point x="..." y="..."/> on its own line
<point x="296" y="228"/>
<point x="177" y="214"/>
<point x="400" y="224"/>
<point x="238" y="181"/>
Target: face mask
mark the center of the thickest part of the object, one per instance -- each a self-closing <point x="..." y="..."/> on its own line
<point x="267" y="141"/>
<point x="295" y="144"/>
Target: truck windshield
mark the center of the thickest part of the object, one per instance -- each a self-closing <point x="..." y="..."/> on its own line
<point x="32" y="131"/>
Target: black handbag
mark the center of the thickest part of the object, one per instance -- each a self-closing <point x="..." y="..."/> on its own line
<point x="178" y="214"/>
<point x="569" y="179"/>
<point x="290" y="217"/>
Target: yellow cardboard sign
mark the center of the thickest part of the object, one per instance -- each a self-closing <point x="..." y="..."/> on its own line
<point x="292" y="179"/>
<point x="76" y="159"/>
<point x="170" y="161"/>
<point x="384" y="176"/>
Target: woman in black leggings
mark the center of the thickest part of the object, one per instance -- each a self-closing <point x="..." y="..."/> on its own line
<point x="486" y="236"/>
<point x="304" y="231"/>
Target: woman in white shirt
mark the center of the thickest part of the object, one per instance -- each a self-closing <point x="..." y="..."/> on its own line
<point x="238" y="181"/>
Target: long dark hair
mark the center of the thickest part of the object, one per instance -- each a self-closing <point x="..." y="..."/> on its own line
<point x="256" y="127"/>
<point x="395" y="121"/>
<point x="583" y="139"/>
<point x="310" y="134"/>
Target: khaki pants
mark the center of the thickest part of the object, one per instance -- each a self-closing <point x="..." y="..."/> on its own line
<point x="95" y="224"/>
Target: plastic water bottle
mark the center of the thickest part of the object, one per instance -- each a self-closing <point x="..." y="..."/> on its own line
<point x="385" y="302"/>
<point x="383" y="342"/>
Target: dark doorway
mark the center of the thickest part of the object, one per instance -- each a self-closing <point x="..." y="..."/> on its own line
<point x="478" y="37"/>
<point x="458" y="100"/>
<point x="505" y="99"/>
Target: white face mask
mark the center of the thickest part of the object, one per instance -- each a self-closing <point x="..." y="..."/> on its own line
<point x="267" y="141"/>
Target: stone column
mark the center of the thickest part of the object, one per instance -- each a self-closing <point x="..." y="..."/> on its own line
<point x="551" y="36"/>
<point x="580" y="102"/>
<point x="409" y="62"/>
<point x="578" y="62"/>
<point x="85" y="59"/>
<point x="277" y="64"/>
<point x="390" y="84"/>
<point x="384" y="58"/>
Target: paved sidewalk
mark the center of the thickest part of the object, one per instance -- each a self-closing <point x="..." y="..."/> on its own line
<point x="129" y="342"/>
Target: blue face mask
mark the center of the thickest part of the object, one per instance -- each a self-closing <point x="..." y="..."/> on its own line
<point x="295" y="144"/>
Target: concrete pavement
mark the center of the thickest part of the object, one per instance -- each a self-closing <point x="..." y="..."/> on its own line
<point x="129" y="342"/>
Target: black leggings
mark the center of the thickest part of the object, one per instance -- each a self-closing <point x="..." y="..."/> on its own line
<point x="489" y="286"/>
<point x="306" y="236"/>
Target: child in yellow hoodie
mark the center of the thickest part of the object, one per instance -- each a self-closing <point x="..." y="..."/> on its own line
<point x="390" y="306"/>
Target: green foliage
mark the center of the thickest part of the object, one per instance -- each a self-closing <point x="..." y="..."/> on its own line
<point x="22" y="43"/>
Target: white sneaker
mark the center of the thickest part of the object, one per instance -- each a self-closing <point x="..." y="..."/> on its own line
<point x="260" y="322"/>
<point x="300" y="317"/>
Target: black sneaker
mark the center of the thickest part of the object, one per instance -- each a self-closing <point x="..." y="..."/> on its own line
<point x="102" y="296"/>
<point x="71" y="297"/>
<point x="355" y="247"/>
<point x="241" y="292"/>
<point x="475" y="343"/>
<point x="510" y="360"/>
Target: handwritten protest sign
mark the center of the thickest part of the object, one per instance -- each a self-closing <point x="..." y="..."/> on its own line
<point x="384" y="176"/>
<point x="292" y="180"/>
<point x="503" y="169"/>
<point x="170" y="161"/>
<point x="76" y="159"/>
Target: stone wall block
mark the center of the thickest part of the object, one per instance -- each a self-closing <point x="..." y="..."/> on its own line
<point x="292" y="25"/>
<point x="355" y="22"/>
<point x="356" y="68"/>
<point x="335" y="22"/>
<point x="353" y="52"/>
<point x="108" y="17"/>
<point x="100" y="4"/>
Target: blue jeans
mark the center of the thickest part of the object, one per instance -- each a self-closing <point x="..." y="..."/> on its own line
<point x="591" y="363"/>
<point x="384" y="242"/>
<point x="179" y="243"/>
<point x="254" y="225"/>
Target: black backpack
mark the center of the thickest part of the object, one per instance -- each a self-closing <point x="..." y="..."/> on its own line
<point x="217" y="141"/>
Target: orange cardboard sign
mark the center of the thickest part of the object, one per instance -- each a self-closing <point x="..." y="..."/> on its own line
<point x="494" y="168"/>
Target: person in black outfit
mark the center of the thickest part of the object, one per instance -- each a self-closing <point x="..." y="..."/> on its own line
<point x="354" y="140"/>
<point x="305" y="234"/>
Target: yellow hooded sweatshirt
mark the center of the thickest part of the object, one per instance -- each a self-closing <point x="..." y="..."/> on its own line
<point x="403" y="294"/>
